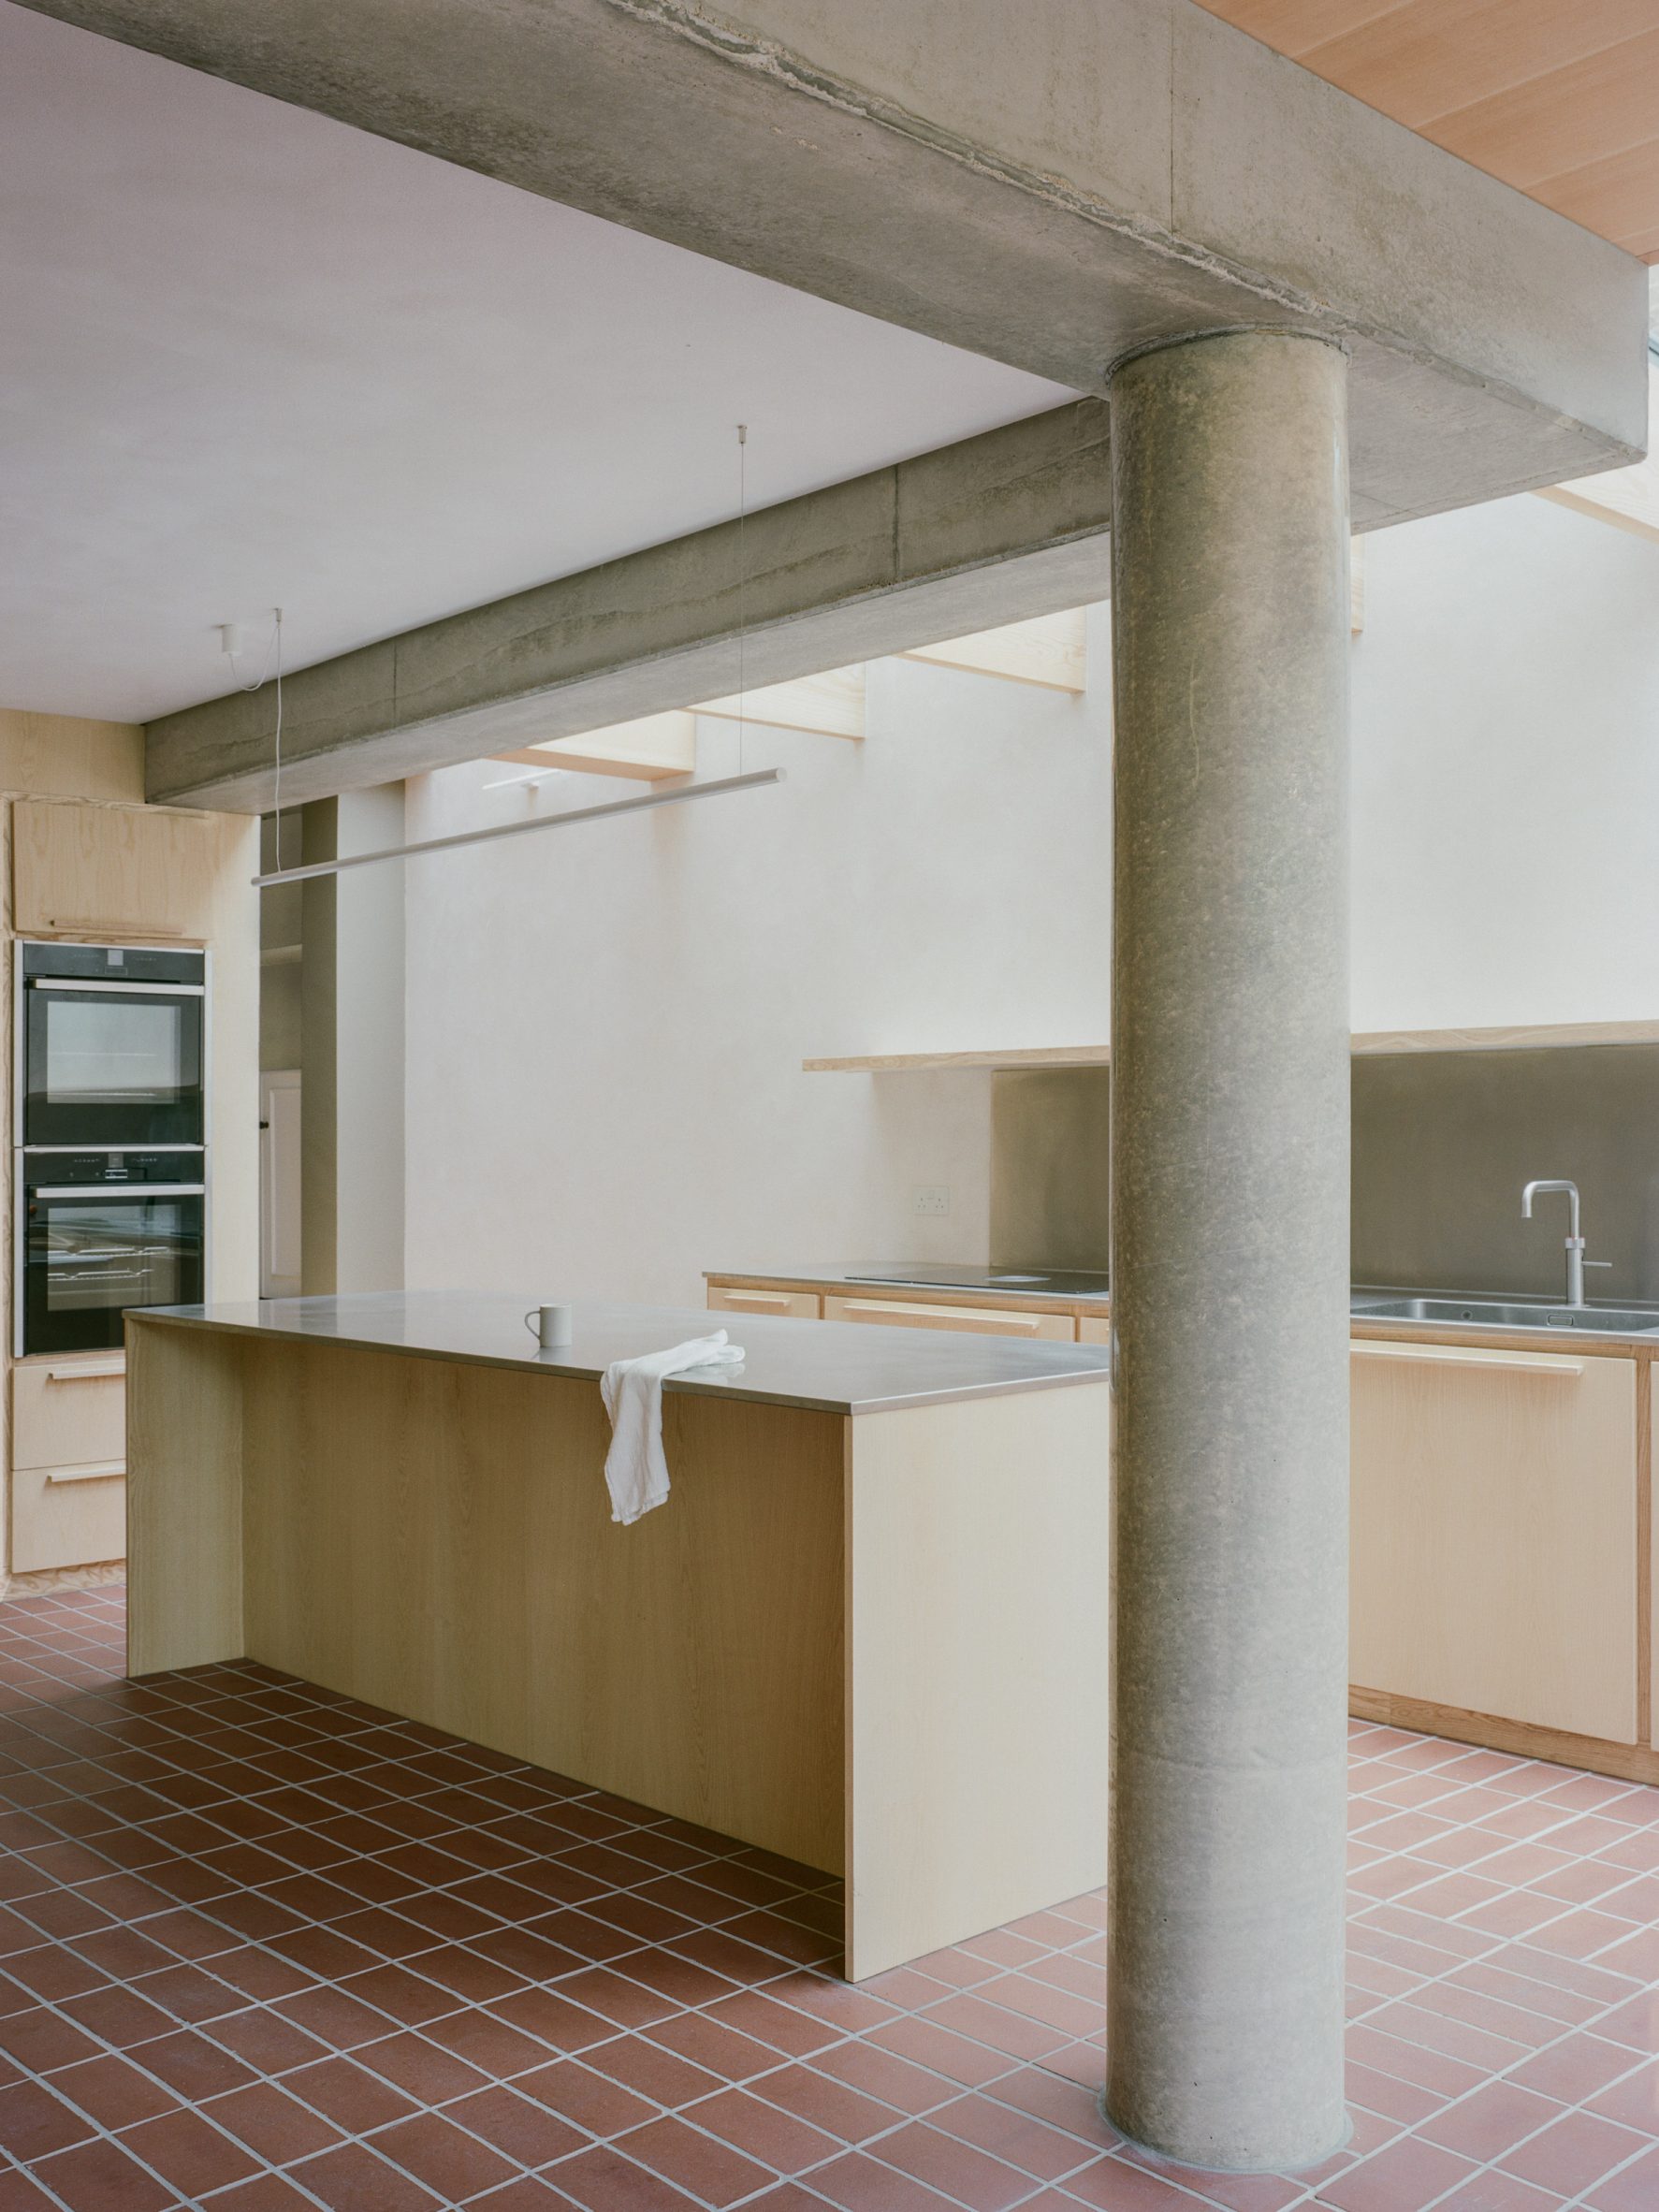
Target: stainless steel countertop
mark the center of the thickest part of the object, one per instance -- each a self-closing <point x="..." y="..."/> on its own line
<point x="886" y="1279"/>
<point x="823" y="1367"/>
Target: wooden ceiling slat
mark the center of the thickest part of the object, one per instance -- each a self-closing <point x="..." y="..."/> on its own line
<point x="1557" y="97"/>
<point x="1601" y="105"/>
<point x="1434" y="56"/>
<point x="1618" y="198"/>
<point x="1293" y="27"/>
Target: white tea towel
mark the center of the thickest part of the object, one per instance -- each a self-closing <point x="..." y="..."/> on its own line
<point x="635" y="1471"/>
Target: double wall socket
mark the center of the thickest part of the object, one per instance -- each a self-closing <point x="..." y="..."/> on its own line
<point x="930" y="1198"/>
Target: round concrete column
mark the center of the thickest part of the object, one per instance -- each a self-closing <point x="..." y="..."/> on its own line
<point x="1229" y="1249"/>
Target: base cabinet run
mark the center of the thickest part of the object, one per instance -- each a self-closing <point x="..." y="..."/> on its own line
<point x="1494" y="1547"/>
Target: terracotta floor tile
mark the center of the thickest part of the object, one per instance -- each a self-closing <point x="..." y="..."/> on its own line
<point x="958" y="2169"/>
<point x="102" y="2178"/>
<point x="518" y="2126"/>
<point x="1634" y="2189"/>
<point x="709" y="2168"/>
<point x="645" y="2067"/>
<point x="272" y="2122"/>
<point x="1404" y="2178"/>
<point x="1633" y="2101"/>
<point x="858" y="2183"/>
<point x="962" y="2059"/>
<point x="34" y="2122"/>
<point x="600" y="2181"/>
<point x="353" y="2179"/>
<point x="1114" y="2185"/>
<point x="420" y="2068"/>
<point x="1497" y="2191"/>
<point x="1573" y="2152"/>
<point x="588" y="2102"/>
<point x="1492" y="2122"/>
<point x="440" y="1913"/>
<point x="189" y="2153"/>
<point x="719" y="2049"/>
<point x="1575" y="2069"/>
<point x="453" y="2164"/>
<point x="768" y="2131"/>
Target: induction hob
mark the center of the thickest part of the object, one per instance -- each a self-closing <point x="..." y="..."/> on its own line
<point x="1030" y="1282"/>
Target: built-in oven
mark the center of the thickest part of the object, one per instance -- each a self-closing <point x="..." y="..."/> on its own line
<point x="98" y="1231"/>
<point x="112" y="1046"/>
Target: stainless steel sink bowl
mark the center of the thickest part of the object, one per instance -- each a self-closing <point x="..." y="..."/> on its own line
<point x="1476" y="1313"/>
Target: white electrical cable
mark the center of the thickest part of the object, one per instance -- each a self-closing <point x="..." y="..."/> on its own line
<point x="274" y="651"/>
<point x="742" y="516"/>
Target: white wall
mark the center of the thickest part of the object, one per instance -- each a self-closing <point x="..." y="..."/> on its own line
<point x="1507" y="771"/>
<point x="605" y="1025"/>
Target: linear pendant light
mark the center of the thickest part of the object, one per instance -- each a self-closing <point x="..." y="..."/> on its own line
<point x="520" y="829"/>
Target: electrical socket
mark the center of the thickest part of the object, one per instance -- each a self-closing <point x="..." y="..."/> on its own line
<point x="931" y="1198"/>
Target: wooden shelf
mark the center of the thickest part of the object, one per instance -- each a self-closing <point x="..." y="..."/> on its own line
<point x="1543" y="1036"/>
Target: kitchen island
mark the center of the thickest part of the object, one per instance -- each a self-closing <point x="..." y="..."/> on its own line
<point x="867" y="1631"/>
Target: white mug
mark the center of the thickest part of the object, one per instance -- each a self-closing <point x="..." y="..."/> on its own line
<point x="550" y="1325"/>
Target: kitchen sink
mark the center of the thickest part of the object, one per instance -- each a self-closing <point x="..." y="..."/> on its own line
<point x="1478" y="1314"/>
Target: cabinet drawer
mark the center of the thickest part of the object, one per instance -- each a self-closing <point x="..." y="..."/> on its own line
<point x="1094" y="1329"/>
<point x="66" y="1516"/>
<point x="796" y="1305"/>
<point x="68" y="1412"/>
<point x="979" y="1321"/>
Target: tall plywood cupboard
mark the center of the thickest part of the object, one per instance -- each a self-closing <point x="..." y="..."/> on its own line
<point x="84" y="859"/>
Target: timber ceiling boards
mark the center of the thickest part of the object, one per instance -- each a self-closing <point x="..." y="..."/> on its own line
<point x="1557" y="97"/>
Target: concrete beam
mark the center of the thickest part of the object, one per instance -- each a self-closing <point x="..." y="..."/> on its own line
<point x="1051" y="187"/>
<point x="1002" y="526"/>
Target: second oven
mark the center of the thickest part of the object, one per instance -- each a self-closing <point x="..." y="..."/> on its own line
<point x="99" y="1232"/>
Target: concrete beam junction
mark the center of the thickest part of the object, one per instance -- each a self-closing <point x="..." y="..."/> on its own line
<point x="1008" y="524"/>
<point x="1054" y="187"/>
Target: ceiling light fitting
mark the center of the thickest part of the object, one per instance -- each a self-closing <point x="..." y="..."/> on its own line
<point x="713" y="788"/>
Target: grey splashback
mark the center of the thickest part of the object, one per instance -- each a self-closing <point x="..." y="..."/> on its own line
<point x="1443" y="1142"/>
<point x="1049" y="1193"/>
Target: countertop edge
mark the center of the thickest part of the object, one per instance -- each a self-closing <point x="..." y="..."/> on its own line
<point x="550" y="1363"/>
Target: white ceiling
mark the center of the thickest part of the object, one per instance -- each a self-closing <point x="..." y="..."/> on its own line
<point x="249" y="357"/>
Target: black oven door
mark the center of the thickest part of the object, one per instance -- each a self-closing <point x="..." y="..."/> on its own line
<point x="112" y="1064"/>
<point x="87" y="1255"/>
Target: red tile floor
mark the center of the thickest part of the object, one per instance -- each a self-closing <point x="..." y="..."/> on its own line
<point x="261" y="1948"/>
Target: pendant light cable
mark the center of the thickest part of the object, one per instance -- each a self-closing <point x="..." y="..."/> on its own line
<point x="273" y="653"/>
<point x="742" y="571"/>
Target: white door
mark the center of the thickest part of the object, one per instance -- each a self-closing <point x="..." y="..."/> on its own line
<point x="278" y="1183"/>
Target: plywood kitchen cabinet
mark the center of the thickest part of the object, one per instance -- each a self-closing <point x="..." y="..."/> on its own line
<point x="85" y="869"/>
<point x="1495" y="1530"/>
<point x="85" y="859"/>
<point x="68" y="1461"/>
<point x="902" y="1313"/>
<point x="794" y="1305"/>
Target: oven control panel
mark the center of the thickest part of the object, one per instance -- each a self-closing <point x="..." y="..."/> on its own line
<point x="60" y="1170"/>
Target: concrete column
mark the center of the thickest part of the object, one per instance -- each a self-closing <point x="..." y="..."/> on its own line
<point x="352" y="988"/>
<point x="1229" y="1249"/>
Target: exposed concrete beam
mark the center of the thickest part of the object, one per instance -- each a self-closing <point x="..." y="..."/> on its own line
<point x="1002" y="526"/>
<point x="1050" y="185"/>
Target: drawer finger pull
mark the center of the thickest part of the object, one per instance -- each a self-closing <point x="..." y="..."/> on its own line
<point x="756" y="1297"/>
<point x="100" y="1371"/>
<point x="94" y="1471"/>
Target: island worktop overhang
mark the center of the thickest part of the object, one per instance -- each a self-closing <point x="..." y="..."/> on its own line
<point x="814" y="1366"/>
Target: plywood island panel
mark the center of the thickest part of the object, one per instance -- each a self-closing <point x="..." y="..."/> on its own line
<point x="872" y="1643"/>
